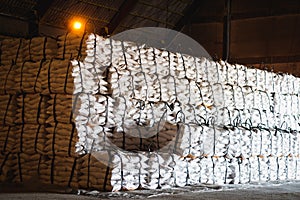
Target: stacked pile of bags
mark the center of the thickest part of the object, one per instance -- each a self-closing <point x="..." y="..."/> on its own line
<point x="217" y="122"/>
<point x="38" y="48"/>
<point x="71" y="45"/>
<point x="82" y="111"/>
<point x="37" y="134"/>
<point x="10" y="51"/>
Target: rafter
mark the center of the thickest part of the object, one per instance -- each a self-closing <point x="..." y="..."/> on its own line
<point x="188" y="14"/>
<point x="245" y="16"/>
<point x="41" y="7"/>
<point x="124" y="10"/>
<point x="13" y="26"/>
<point x="36" y="15"/>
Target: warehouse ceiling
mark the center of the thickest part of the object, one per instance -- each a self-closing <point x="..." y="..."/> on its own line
<point x="245" y="31"/>
<point x="48" y="16"/>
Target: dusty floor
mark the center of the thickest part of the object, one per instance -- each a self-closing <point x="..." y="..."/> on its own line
<point x="286" y="191"/>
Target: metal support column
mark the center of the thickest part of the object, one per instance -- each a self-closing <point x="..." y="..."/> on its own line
<point x="226" y="30"/>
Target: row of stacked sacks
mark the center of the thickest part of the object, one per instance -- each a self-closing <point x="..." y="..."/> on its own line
<point x="20" y="152"/>
<point x="98" y="122"/>
<point x="38" y="48"/>
<point x="44" y="77"/>
<point x="37" y="133"/>
<point x="173" y="120"/>
<point x="65" y="171"/>
<point x="264" y="98"/>
<point x="10" y="51"/>
<point x="29" y="150"/>
<point x="76" y="172"/>
<point x="165" y="170"/>
<point x="71" y="46"/>
<point x="28" y="61"/>
<point x="10" y="147"/>
<point x="8" y="109"/>
<point x="18" y="50"/>
<point x="261" y="150"/>
<point x="206" y="154"/>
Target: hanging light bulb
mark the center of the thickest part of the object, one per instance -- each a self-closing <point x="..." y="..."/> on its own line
<point x="77" y="25"/>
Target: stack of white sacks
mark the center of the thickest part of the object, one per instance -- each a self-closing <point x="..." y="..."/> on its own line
<point x="234" y="124"/>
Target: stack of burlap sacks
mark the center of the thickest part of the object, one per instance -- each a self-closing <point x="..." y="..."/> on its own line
<point x="37" y="133"/>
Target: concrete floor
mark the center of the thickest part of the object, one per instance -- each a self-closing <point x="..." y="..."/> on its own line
<point x="286" y="191"/>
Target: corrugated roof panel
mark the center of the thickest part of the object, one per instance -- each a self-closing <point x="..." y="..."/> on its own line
<point x="150" y="3"/>
<point x="152" y="18"/>
<point x="156" y="14"/>
<point x="55" y="17"/>
<point x="176" y="6"/>
<point x="81" y="9"/>
<point x="108" y="15"/>
<point x="180" y="6"/>
<point x="132" y="21"/>
<point x="137" y="22"/>
<point x="163" y="13"/>
<point x="173" y="19"/>
<point x="28" y="4"/>
<point x="5" y="7"/>
<point x="16" y="8"/>
<point x="85" y="10"/>
<point x="103" y="13"/>
<point x="95" y="26"/>
<point x="64" y="4"/>
<point x="59" y="18"/>
<point x="25" y="4"/>
<point x="113" y="4"/>
<point x="76" y="14"/>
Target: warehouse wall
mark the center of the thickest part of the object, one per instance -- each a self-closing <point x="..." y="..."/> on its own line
<point x="262" y="32"/>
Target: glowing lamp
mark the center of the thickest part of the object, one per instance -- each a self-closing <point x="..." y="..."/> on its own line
<point x="77" y="25"/>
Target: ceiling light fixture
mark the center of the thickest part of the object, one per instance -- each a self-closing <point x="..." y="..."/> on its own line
<point x="77" y="25"/>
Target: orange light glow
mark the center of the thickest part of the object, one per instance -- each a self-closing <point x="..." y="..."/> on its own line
<point x="77" y="25"/>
